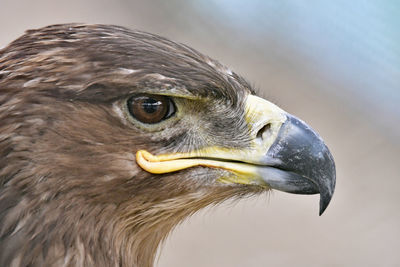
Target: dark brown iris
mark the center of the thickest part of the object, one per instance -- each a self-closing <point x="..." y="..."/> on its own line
<point x="150" y="108"/>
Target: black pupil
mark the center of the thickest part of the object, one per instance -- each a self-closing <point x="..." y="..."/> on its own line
<point x="151" y="105"/>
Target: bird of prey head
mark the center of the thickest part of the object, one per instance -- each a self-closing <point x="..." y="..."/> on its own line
<point x="110" y="137"/>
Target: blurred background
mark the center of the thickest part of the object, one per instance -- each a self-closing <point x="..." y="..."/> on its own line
<point x="336" y="65"/>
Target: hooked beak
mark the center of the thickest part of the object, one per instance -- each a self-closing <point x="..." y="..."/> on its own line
<point x="285" y="154"/>
<point x="302" y="162"/>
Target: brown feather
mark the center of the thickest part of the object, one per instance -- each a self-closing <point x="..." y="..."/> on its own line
<point x="71" y="193"/>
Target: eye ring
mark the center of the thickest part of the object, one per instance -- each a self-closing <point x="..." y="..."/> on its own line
<point x="150" y="109"/>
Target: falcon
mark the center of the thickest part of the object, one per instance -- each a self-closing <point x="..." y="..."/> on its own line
<point x="110" y="137"/>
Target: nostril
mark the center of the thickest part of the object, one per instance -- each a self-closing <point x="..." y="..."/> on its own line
<point x="264" y="132"/>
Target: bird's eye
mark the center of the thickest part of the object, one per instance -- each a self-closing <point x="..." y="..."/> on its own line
<point x="151" y="108"/>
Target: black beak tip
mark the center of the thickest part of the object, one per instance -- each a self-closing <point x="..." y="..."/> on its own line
<point x="324" y="202"/>
<point x="327" y="187"/>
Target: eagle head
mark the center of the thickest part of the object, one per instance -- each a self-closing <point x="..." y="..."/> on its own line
<point x="110" y="137"/>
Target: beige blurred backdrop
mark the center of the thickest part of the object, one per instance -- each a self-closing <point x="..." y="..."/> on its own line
<point x="336" y="65"/>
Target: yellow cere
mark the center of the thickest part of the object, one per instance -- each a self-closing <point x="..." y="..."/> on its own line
<point x="260" y="112"/>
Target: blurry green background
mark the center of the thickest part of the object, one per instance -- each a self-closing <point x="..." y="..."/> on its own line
<point x="336" y="65"/>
